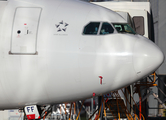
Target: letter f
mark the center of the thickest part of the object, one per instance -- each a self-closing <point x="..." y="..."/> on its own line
<point x="28" y="108"/>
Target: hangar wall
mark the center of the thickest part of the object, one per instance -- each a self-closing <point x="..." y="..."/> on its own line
<point x="161" y="30"/>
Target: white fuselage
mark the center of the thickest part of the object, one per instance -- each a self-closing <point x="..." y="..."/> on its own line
<point x="61" y="66"/>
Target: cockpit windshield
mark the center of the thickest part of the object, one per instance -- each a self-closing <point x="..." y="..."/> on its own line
<point x="123" y="28"/>
<point x="98" y="28"/>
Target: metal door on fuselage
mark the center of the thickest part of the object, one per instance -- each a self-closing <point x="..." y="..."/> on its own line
<point x="24" y="31"/>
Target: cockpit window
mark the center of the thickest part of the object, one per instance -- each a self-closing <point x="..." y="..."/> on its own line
<point x="106" y="29"/>
<point x="92" y="28"/>
<point x="124" y="28"/>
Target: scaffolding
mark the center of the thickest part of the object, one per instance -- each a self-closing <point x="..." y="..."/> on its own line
<point x="116" y="106"/>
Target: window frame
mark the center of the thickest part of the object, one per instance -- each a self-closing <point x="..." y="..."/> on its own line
<point x="88" y="24"/>
<point x="142" y="21"/>
<point x="124" y="32"/>
<point x="99" y="29"/>
<point x="109" y="24"/>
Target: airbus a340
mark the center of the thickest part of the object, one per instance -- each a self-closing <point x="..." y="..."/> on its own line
<point x="65" y="50"/>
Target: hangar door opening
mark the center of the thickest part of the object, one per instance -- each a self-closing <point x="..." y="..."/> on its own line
<point x="24" y="31"/>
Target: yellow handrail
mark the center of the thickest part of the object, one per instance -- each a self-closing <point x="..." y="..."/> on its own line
<point x="125" y="108"/>
<point x="70" y="110"/>
<point x="110" y="110"/>
<point x="80" y="110"/>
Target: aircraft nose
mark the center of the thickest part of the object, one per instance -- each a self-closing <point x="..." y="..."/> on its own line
<point x="147" y="57"/>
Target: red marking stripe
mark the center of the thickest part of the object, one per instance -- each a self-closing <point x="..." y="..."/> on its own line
<point x="94" y="94"/>
<point x="101" y="79"/>
<point x="106" y="100"/>
<point x="31" y="116"/>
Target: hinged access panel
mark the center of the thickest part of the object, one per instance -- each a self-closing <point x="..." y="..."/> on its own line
<point x="25" y="29"/>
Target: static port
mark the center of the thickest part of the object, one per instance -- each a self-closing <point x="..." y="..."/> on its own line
<point x="19" y="31"/>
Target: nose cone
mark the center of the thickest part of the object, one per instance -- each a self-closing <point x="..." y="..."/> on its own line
<point x="147" y="57"/>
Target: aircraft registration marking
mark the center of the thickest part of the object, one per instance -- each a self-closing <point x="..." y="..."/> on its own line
<point x="32" y="112"/>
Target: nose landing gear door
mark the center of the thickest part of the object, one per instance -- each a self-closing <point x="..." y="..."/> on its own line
<point x="25" y="29"/>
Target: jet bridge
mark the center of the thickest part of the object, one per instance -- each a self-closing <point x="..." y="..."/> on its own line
<point x="136" y="14"/>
